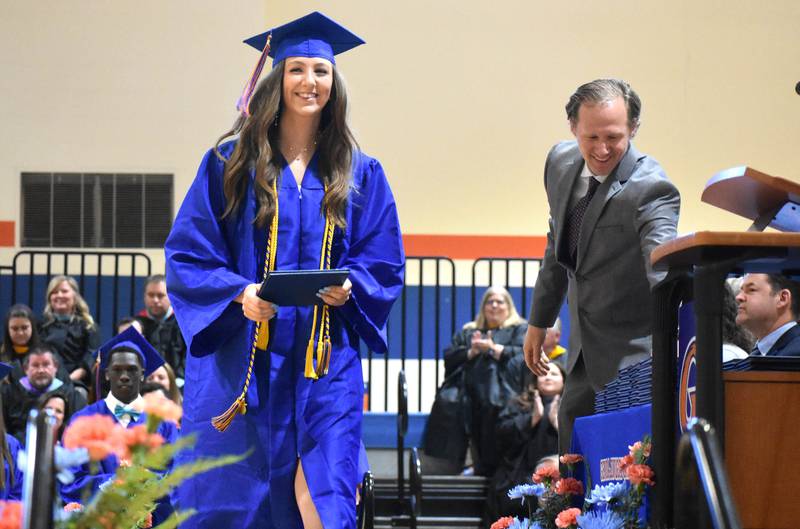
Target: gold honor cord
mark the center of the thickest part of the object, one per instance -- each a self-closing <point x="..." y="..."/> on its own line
<point x="323" y="348"/>
<point x="261" y="333"/>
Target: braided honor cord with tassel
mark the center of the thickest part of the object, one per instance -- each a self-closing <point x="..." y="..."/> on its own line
<point x="261" y="333"/>
<point x="323" y="348"/>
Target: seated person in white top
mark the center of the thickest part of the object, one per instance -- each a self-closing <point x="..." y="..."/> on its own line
<point x="768" y="308"/>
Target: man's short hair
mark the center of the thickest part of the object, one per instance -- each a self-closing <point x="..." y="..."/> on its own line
<point x="39" y="350"/>
<point x="124" y="349"/>
<point x="778" y="282"/>
<point x="602" y="91"/>
<point x="155" y="278"/>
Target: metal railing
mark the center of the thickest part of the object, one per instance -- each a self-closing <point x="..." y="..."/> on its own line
<point x="111" y="282"/>
<point x="402" y="430"/>
<point x="366" y="508"/>
<point x="700" y="461"/>
<point x="433" y="305"/>
<point x="514" y="274"/>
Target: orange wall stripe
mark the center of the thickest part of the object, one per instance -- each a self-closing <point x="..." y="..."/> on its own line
<point x="7" y="233"/>
<point x="474" y="246"/>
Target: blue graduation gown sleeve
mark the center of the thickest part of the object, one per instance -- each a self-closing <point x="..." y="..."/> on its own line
<point x="73" y="492"/>
<point x="12" y="488"/>
<point x="202" y="275"/>
<point x="375" y="258"/>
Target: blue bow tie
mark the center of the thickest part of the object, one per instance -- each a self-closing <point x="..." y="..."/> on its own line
<point x="120" y="411"/>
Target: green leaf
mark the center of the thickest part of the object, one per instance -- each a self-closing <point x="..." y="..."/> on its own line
<point x="176" y="518"/>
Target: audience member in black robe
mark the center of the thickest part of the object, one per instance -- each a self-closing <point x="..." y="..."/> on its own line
<point x="68" y="327"/>
<point x="19" y="397"/>
<point x="484" y="348"/>
<point x="159" y="325"/>
<point x="527" y="431"/>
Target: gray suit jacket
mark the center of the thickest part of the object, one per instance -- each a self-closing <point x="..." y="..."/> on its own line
<point x="608" y="290"/>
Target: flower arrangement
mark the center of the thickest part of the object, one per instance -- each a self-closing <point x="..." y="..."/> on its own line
<point x="552" y="500"/>
<point x="128" y="500"/>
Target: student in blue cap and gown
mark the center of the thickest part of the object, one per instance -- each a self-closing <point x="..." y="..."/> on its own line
<point x="124" y="361"/>
<point x="291" y="192"/>
<point x="10" y="474"/>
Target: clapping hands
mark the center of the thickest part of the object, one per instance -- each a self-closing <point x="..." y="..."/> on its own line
<point x="481" y="344"/>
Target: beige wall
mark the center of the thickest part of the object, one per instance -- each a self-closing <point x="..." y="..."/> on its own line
<point x="459" y="99"/>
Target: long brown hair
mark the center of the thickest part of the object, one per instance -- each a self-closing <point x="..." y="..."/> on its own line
<point x="258" y="147"/>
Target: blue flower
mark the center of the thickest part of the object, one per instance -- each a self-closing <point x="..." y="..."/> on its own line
<point x="606" y="493"/>
<point x="600" y="520"/>
<point x="526" y="489"/>
<point x="524" y="524"/>
<point x="64" y="459"/>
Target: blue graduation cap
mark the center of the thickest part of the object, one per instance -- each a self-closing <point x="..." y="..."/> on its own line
<point x="4" y="370"/>
<point x="132" y="340"/>
<point x="313" y="35"/>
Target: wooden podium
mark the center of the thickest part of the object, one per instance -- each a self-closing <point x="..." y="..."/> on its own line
<point x="761" y="420"/>
<point x="754" y="438"/>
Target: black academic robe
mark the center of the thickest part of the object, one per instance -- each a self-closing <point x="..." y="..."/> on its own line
<point x="488" y="384"/>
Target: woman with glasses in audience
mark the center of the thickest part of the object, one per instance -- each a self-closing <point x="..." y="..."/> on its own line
<point x="483" y="349"/>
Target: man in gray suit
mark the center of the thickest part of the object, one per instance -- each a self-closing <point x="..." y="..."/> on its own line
<point x="610" y="205"/>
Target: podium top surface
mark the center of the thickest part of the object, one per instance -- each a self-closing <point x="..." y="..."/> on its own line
<point x="709" y="247"/>
<point x="755" y="195"/>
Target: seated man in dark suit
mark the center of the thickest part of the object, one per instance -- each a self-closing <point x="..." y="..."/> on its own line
<point x="40" y="366"/>
<point x="768" y="308"/>
<point x="159" y="325"/>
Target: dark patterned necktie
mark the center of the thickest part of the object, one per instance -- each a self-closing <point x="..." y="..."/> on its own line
<point x="576" y="218"/>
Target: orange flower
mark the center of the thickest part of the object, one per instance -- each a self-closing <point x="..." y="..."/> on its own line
<point x="626" y="461"/>
<point x="567" y="518"/>
<point x="640" y="474"/>
<point x="503" y="522"/>
<point x="148" y="522"/>
<point x="99" y="434"/>
<point x="570" y="459"/>
<point x="546" y="473"/>
<point x="139" y="437"/>
<point x="568" y="486"/>
<point x="73" y="506"/>
<point x="158" y="405"/>
<point x="10" y="515"/>
<point x="107" y="519"/>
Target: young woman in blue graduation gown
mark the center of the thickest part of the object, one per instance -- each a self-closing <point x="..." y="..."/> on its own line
<point x="302" y="435"/>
